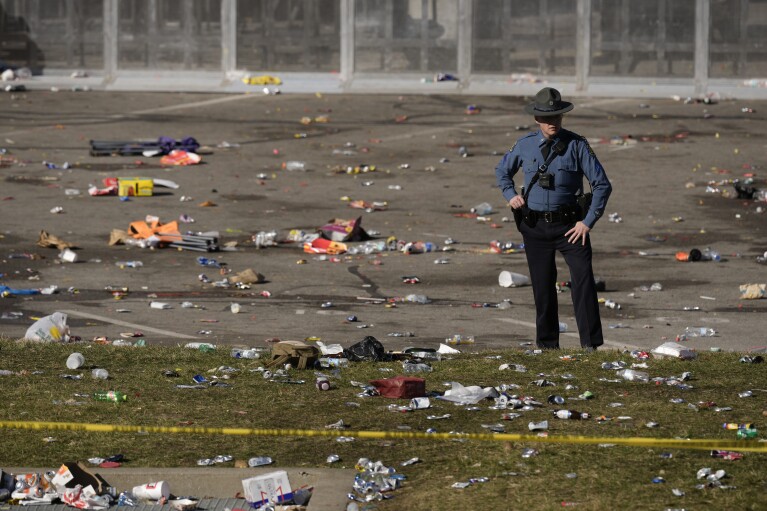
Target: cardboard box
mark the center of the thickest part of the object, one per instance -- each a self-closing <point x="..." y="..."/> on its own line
<point x="273" y="487"/>
<point x="135" y="186"/>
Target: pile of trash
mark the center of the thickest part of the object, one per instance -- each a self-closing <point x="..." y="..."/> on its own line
<point x="75" y="485"/>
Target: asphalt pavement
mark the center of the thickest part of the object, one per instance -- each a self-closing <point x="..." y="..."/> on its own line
<point x="669" y="161"/>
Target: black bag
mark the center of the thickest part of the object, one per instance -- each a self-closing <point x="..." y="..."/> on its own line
<point x="368" y="349"/>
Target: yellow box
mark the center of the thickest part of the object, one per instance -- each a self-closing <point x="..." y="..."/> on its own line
<point x="135" y="186"/>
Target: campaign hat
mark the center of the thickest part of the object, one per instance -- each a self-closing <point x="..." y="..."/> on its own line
<point x="548" y="103"/>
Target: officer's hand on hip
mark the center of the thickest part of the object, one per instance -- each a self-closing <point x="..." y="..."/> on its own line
<point x="517" y="202"/>
<point x="578" y="232"/>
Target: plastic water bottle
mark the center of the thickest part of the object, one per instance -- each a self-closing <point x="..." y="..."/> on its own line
<point x="699" y="331"/>
<point x="294" y="165"/>
<point x="110" y="395"/>
<point x="633" y="375"/>
<point x="129" y="264"/>
<point x="460" y="339"/>
<point x="328" y="362"/>
<point x="416" y="368"/>
<point x="245" y="353"/>
<point x="711" y="255"/>
<point x="482" y="209"/>
<point x="259" y="461"/>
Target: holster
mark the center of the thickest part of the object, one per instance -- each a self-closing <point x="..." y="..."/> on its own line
<point x="526" y="215"/>
<point x="583" y="203"/>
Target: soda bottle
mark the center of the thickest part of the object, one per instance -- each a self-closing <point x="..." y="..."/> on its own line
<point x="746" y="434"/>
<point x="735" y="425"/>
<point x="110" y="395"/>
<point x="571" y="414"/>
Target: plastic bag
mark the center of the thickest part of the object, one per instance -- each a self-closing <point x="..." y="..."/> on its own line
<point x="471" y="395"/>
<point x="368" y="349"/>
<point x="51" y="328"/>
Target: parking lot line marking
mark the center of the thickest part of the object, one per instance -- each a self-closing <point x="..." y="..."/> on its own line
<point x="195" y="104"/>
<point x="169" y="108"/>
<point x="614" y="344"/>
<point x="129" y="325"/>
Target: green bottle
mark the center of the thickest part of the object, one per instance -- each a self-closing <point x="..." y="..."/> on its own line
<point x="747" y="433"/>
<point x="110" y="395"/>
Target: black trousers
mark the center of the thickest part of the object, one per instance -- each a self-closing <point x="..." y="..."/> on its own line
<point x="542" y="242"/>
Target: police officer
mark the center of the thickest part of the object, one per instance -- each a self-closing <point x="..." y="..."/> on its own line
<point x="554" y="161"/>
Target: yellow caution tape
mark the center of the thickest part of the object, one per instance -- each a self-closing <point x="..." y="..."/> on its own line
<point x="669" y="443"/>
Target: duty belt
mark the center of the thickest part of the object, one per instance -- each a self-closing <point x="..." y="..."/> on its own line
<point x="555" y="216"/>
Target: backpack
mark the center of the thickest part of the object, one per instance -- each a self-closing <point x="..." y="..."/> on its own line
<point x="296" y="353"/>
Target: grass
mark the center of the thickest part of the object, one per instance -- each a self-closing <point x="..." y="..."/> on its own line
<point x="614" y="477"/>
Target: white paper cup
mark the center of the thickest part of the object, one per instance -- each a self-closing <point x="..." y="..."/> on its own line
<point x="511" y="279"/>
<point x="75" y="361"/>
<point x="152" y="491"/>
<point x="68" y="255"/>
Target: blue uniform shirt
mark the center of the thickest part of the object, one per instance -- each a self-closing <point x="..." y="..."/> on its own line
<point x="568" y="168"/>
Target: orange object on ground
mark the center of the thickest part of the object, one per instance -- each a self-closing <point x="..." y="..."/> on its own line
<point x="179" y="157"/>
<point x="323" y="246"/>
<point x="144" y="230"/>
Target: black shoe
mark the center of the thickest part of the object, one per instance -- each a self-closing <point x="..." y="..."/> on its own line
<point x="589" y="349"/>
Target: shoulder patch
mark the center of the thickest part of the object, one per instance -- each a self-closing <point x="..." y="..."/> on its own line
<point x="588" y="146"/>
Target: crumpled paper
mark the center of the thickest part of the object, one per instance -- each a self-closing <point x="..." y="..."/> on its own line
<point x="53" y="241"/>
<point x="248" y="276"/>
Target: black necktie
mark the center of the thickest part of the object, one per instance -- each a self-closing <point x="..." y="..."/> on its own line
<point x="546" y="148"/>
